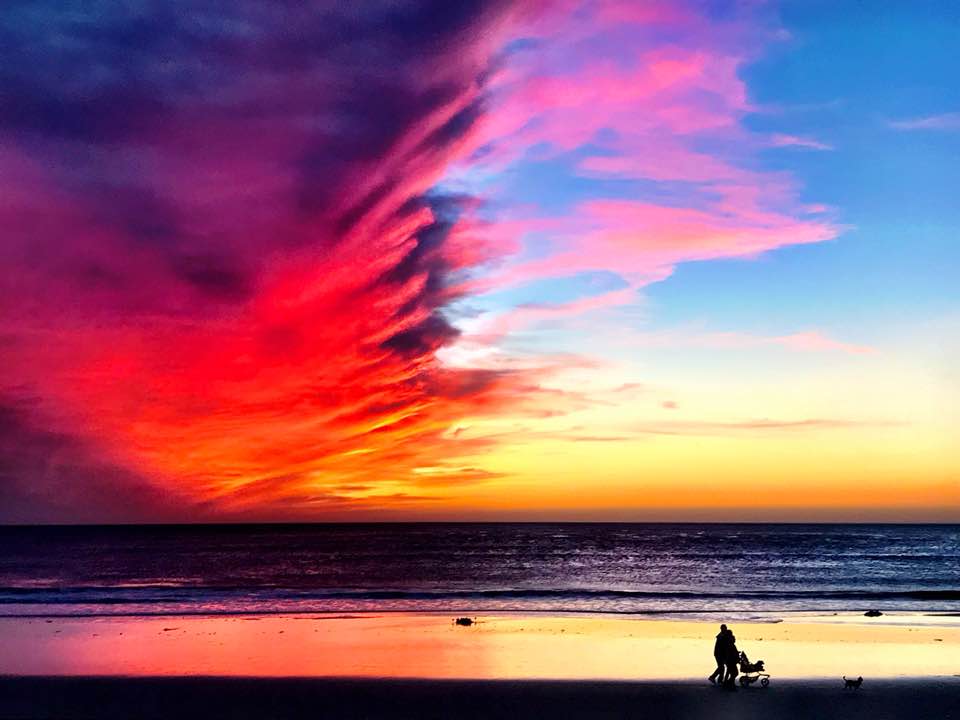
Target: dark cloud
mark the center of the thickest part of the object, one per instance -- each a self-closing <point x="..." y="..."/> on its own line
<point x="47" y="475"/>
<point x="427" y="255"/>
<point x="454" y="128"/>
<point x="131" y="109"/>
<point x="425" y="337"/>
<point x="213" y="275"/>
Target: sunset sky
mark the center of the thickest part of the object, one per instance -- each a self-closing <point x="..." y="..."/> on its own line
<point x="608" y="259"/>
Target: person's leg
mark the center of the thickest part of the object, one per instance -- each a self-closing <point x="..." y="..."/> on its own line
<point x="717" y="675"/>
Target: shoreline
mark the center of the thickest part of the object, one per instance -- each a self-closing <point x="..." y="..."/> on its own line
<point x="893" y="618"/>
<point x="845" y="615"/>
<point x="240" y="698"/>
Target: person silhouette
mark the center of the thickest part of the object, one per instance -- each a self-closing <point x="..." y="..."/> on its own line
<point x="731" y="658"/>
<point x="719" y="654"/>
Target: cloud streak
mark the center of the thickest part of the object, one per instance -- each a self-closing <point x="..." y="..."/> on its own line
<point x="236" y="238"/>
<point x="780" y="140"/>
<point x="646" y="107"/>
<point x="942" y="121"/>
<point x="224" y="265"/>
<point x="804" y="341"/>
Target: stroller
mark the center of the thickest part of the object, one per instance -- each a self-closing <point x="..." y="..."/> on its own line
<point x="751" y="672"/>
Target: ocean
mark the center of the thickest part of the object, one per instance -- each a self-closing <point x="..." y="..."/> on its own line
<point x="689" y="570"/>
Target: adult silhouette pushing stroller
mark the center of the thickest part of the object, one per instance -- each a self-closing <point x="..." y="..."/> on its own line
<point x="728" y="658"/>
<point x="717" y="675"/>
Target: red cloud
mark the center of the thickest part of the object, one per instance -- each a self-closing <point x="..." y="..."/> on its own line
<point x="224" y="275"/>
<point x="226" y="266"/>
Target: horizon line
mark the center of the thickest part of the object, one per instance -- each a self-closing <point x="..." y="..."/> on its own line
<point x="300" y="523"/>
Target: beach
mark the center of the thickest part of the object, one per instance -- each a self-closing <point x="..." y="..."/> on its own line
<point x="495" y="647"/>
<point x="566" y="621"/>
<point x="423" y="665"/>
<point x="447" y="699"/>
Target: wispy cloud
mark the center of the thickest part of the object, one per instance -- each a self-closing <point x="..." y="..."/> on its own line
<point x="942" y="121"/>
<point x="803" y="341"/>
<point x="780" y="140"/>
<point x="757" y="427"/>
<point x="618" y="108"/>
<point x="761" y="425"/>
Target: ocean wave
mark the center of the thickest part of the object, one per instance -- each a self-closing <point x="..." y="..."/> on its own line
<point x="166" y="593"/>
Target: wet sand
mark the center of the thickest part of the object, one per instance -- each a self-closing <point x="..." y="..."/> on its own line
<point x="241" y="698"/>
<point x="504" y="666"/>
<point x="497" y="647"/>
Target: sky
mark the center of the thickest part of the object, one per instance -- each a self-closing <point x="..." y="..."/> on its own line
<point x="485" y="260"/>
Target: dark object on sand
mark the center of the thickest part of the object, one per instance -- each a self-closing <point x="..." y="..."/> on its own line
<point x="873" y="613"/>
<point x="852" y="684"/>
<point x="465" y="621"/>
<point x="729" y="655"/>
<point x="719" y="654"/>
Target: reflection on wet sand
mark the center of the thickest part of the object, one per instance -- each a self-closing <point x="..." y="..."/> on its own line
<point x="430" y="646"/>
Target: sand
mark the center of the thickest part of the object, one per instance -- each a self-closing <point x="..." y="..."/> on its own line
<point x="504" y="666"/>
<point x="344" y="699"/>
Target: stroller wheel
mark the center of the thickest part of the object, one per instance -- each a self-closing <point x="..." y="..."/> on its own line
<point x="744" y="681"/>
<point x="764" y="682"/>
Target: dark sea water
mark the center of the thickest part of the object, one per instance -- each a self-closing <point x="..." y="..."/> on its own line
<point x="736" y="570"/>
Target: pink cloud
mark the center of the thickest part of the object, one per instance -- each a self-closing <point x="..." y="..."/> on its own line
<point x="643" y="242"/>
<point x="643" y="109"/>
<point x="499" y="326"/>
